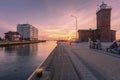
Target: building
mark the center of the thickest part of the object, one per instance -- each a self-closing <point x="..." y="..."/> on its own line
<point x="12" y="36"/>
<point x="27" y="31"/>
<point x="103" y="31"/>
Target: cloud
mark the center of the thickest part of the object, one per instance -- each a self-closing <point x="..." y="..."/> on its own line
<point x="4" y="27"/>
<point x="53" y="17"/>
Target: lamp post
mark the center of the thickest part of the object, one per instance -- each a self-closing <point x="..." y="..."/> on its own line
<point x="76" y="23"/>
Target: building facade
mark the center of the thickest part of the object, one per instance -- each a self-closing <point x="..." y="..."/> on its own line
<point x="27" y="31"/>
<point x="12" y="36"/>
<point x="103" y="31"/>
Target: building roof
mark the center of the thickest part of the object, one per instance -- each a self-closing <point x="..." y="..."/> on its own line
<point x="23" y="24"/>
<point x="12" y="32"/>
<point x="27" y="25"/>
<point x="103" y="6"/>
<point x="86" y="29"/>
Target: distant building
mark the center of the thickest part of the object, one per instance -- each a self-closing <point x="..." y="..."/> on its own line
<point x="27" y="31"/>
<point x="12" y="36"/>
<point x="103" y="31"/>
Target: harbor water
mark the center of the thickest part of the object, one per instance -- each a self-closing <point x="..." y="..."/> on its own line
<point x="18" y="62"/>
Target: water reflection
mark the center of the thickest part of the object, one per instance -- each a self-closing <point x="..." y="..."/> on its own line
<point x="18" y="62"/>
<point x="11" y="49"/>
<point x="27" y="50"/>
<point x="22" y="50"/>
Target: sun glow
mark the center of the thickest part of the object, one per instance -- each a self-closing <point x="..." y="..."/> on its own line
<point x="69" y="38"/>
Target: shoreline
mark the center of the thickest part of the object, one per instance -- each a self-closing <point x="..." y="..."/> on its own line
<point x="45" y="64"/>
<point x="2" y="44"/>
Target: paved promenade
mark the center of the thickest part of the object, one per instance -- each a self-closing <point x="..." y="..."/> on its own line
<point x="78" y="62"/>
<point x="89" y="64"/>
<point x="102" y="65"/>
<point x="63" y="67"/>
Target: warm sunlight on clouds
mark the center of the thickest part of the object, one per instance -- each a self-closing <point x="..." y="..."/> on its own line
<point x="53" y="17"/>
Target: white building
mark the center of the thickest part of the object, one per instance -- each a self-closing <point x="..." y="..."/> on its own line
<point x="27" y="31"/>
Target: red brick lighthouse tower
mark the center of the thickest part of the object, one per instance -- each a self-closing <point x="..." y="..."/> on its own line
<point x="104" y="23"/>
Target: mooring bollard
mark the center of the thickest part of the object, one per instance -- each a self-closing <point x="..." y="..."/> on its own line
<point x="39" y="72"/>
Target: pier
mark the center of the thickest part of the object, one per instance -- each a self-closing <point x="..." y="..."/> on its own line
<point x="78" y="62"/>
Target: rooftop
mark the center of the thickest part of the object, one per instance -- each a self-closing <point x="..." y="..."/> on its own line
<point x="103" y="6"/>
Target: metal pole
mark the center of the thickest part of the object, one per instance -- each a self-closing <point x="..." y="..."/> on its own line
<point x="76" y="24"/>
<point x="76" y="27"/>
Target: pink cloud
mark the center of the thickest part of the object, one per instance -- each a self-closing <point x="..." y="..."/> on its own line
<point x="4" y="27"/>
<point x="58" y="21"/>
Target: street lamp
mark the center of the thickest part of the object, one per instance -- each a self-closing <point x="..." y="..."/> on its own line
<point x="76" y="23"/>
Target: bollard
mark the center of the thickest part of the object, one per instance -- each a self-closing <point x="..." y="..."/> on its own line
<point x="39" y="72"/>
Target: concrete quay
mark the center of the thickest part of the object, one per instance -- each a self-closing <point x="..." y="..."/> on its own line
<point x="78" y="62"/>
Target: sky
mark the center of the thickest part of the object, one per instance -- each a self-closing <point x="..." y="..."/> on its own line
<point x="53" y="17"/>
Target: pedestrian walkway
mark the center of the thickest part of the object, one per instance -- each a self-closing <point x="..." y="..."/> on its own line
<point x="63" y="68"/>
<point x="107" y="66"/>
<point x="78" y="62"/>
<point x="68" y="67"/>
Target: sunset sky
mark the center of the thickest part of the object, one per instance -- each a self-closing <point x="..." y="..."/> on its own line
<point x="53" y="17"/>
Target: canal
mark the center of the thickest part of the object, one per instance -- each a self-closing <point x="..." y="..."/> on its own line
<point x="18" y="62"/>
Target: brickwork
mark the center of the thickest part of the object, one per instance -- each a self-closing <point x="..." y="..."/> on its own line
<point x="103" y="31"/>
<point x="103" y="19"/>
<point x="84" y="34"/>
